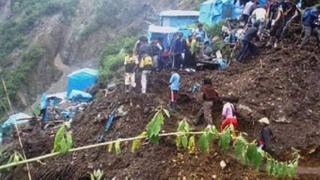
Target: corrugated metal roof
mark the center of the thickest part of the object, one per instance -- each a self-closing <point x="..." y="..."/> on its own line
<point x="179" y="13"/>
<point x="162" y="29"/>
<point x="89" y="71"/>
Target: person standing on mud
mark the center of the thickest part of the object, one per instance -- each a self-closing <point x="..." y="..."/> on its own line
<point x="174" y="84"/>
<point x="266" y="135"/>
<point x="311" y="23"/>
<point x="209" y="96"/>
<point x="130" y="64"/>
<point x="246" y="44"/>
<point x="146" y="66"/>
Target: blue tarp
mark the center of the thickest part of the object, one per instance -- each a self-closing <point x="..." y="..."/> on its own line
<point x="179" y="19"/>
<point x="79" y="96"/>
<point x="19" y="118"/>
<point x="214" y="11"/>
<point x="164" y="33"/>
<point x="82" y="80"/>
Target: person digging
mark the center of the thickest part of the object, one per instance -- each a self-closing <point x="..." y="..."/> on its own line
<point x="209" y="96"/>
<point x="266" y="135"/>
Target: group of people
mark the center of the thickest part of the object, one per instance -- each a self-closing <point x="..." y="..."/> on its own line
<point x="274" y="19"/>
<point x="154" y="56"/>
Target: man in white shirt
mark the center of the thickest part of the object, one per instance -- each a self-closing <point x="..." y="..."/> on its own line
<point x="259" y="15"/>
<point x="247" y="10"/>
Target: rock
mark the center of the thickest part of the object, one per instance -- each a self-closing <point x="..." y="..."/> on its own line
<point x="214" y="176"/>
<point x="282" y="119"/>
<point x="223" y="164"/>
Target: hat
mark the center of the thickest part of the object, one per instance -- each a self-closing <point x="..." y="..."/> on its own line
<point x="264" y="121"/>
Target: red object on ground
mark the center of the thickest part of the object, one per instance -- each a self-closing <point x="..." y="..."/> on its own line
<point x="173" y="96"/>
<point x="228" y="121"/>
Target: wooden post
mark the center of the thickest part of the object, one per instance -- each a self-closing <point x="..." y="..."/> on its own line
<point x="7" y="94"/>
<point x="16" y="127"/>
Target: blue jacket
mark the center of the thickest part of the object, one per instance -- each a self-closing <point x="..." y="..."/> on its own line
<point x="175" y="82"/>
<point x="178" y="46"/>
<point x="310" y="16"/>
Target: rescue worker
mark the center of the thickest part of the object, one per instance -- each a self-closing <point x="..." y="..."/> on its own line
<point x="174" y="85"/>
<point x="210" y="97"/>
<point x="156" y="52"/>
<point x="228" y="116"/>
<point x="246" y="45"/>
<point x="247" y="10"/>
<point x="266" y="135"/>
<point x="146" y="67"/>
<point x="276" y="22"/>
<point x="142" y="40"/>
<point x="178" y="49"/>
<point x="130" y="64"/>
<point x="290" y="12"/>
<point x="311" y="24"/>
<point x="259" y="16"/>
<point x="200" y="32"/>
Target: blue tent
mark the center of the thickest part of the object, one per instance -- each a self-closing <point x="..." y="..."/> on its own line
<point x="214" y="11"/>
<point x="79" y="96"/>
<point x="81" y="80"/>
<point x="19" y="118"/>
<point x="164" y="33"/>
<point x="178" y="18"/>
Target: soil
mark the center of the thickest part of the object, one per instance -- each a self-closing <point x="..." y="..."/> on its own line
<point x="281" y="84"/>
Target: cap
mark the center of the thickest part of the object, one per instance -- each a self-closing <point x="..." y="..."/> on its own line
<point x="264" y="121"/>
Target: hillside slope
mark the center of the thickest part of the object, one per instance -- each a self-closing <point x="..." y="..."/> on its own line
<point x="75" y="31"/>
<point x="279" y="84"/>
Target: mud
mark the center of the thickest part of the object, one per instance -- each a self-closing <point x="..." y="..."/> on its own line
<point x="281" y="84"/>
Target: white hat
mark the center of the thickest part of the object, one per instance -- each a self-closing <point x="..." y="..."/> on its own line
<point x="264" y="121"/>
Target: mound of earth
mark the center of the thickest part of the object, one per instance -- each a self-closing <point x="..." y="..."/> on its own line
<point x="281" y="84"/>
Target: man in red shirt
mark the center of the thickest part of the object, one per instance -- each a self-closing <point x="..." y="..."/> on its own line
<point x="210" y="96"/>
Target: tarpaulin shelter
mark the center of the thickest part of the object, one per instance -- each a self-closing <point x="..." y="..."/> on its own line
<point x="214" y="11"/>
<point x="163" y="33"/>
<point x="79" y="96"/>
<point x="82" y="80"/>
<point x="178" y="18"/>
<point x="19" y="119"/>
<point x="56" y="99"/>
<point x="6" y="127"/>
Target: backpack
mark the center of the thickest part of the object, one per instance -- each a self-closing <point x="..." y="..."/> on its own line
<point x="146" y="63"/>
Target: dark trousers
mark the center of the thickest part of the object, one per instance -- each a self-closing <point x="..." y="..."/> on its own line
<point x="177" y="61"/>
<point x="189" y="60"/>
<point x="307" y="31"/>
<point x="247" y="47"/>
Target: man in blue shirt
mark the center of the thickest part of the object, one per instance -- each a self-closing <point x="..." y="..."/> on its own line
<point x="174" y="85"/>
<point x="311" y="22"/>
<point x="247" y="45"/>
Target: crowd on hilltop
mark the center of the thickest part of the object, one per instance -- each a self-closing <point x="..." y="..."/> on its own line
<point x="271" y="22"/>
<point x="257" y="23"/>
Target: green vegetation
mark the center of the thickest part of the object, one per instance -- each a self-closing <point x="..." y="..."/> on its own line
<point x="17" y="78"/>
<point x="247" y="152"/>
<point x="26" y="14"/>
<point x="113" y="57"/>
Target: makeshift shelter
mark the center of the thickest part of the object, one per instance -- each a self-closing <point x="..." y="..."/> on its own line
<point x="19" y="119"/>
<point x="178" y="18"/>
<point x="214" y="11"/>
<point x="79" y="96"/>
<point x="56" y="99"/>
<point x="82" y="80"/>
<point x="163" y="33"/>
